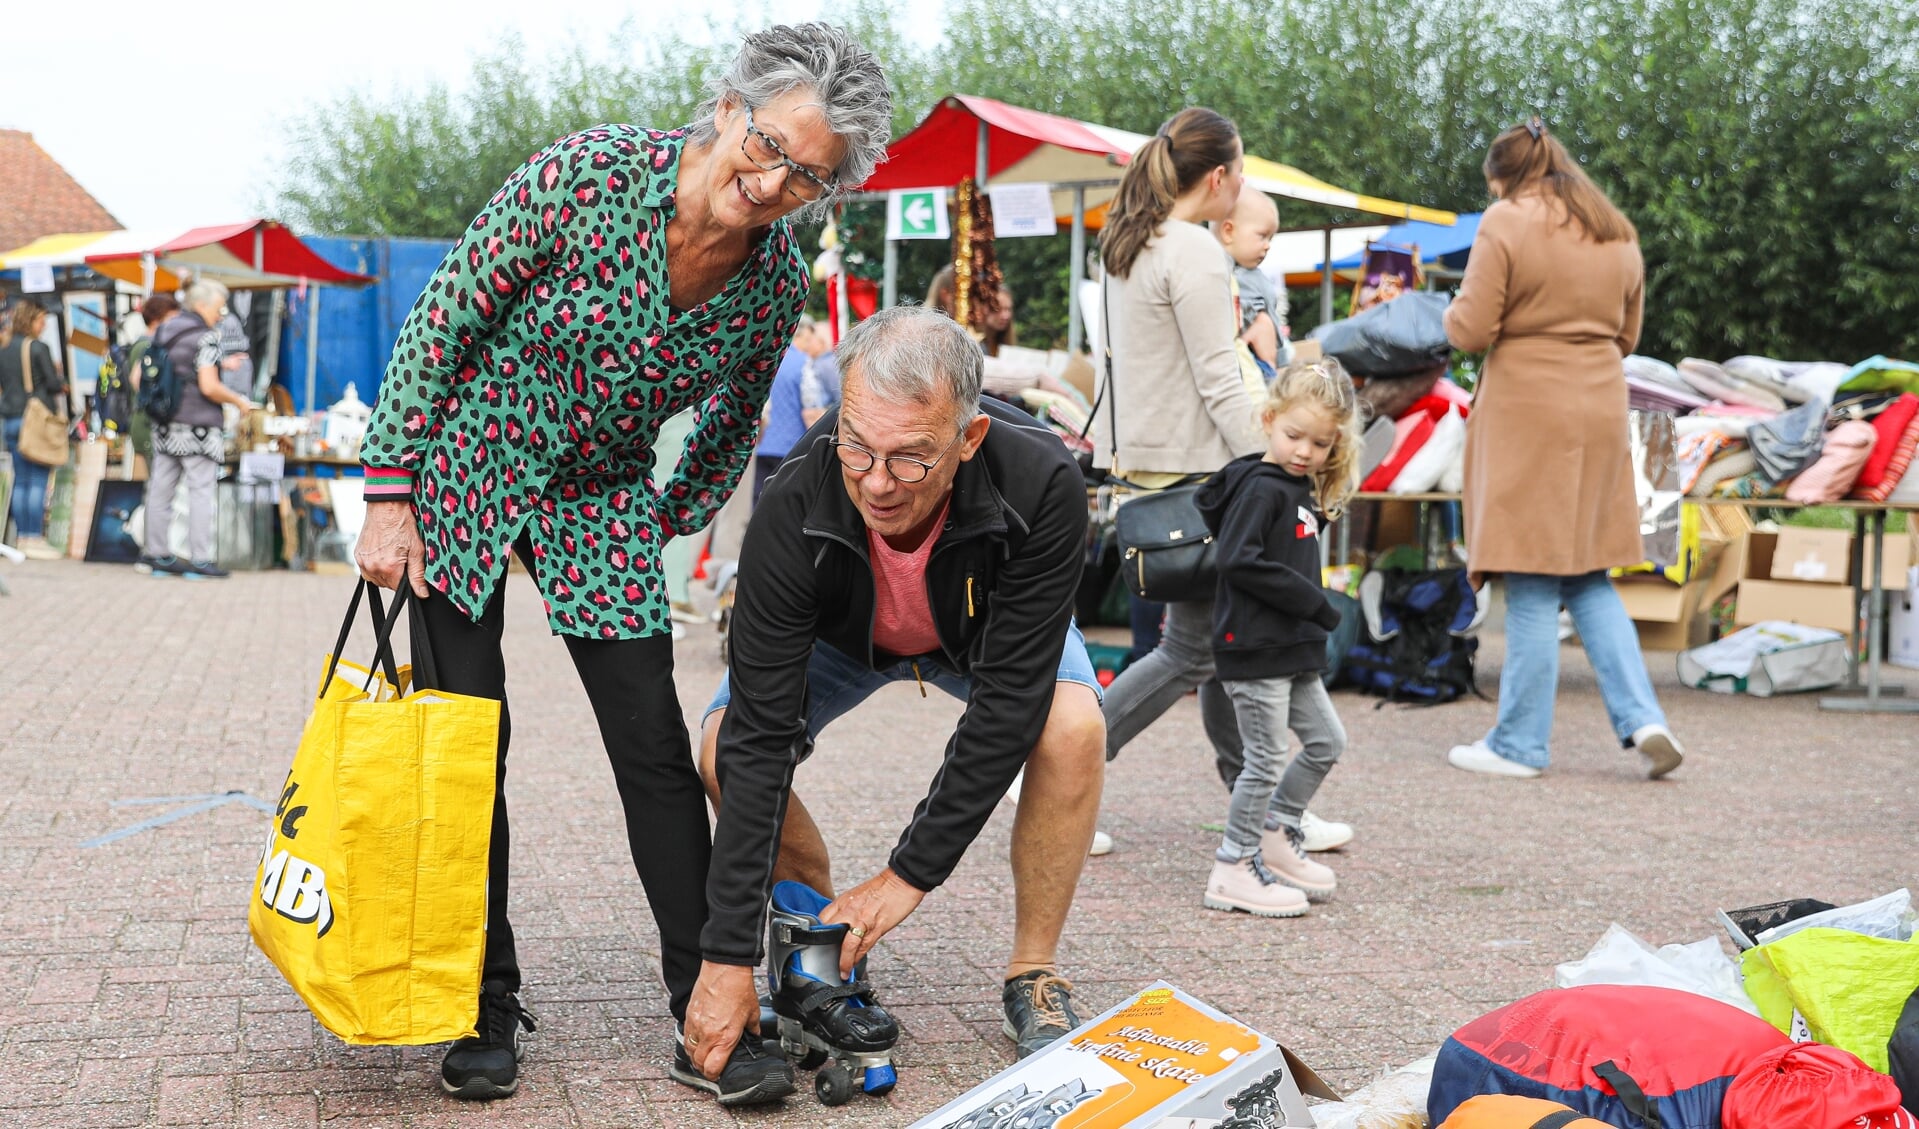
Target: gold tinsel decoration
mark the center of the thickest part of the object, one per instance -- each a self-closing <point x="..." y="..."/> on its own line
<point x="976" y="274"/>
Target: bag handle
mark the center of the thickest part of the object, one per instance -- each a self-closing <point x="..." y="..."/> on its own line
<point x="383" y="623"/>
<point x="1631" y="1095"/>
<point x="1558" y="1119"/>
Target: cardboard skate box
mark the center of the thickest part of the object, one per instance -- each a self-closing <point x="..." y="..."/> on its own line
<point x="1160" y="1060"/>
<point x="1761" y="556"/>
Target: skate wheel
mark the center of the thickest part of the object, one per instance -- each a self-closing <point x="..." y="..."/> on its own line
<point x="833" y="1085"/>
<point x="879" y="1080"/>
<point x="813" y="1059"/>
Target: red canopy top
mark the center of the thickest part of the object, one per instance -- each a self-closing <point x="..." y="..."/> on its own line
<point x="252" y="253"/>
<point x="943" y="148"/>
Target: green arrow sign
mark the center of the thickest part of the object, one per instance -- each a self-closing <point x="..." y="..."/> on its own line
<point x="917" y="213"/>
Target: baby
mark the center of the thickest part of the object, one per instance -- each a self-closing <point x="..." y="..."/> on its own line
<point x="1247" y="235"/>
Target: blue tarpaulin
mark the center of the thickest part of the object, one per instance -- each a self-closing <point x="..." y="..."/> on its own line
<point x="357" y="327"/>
<point x="1444" y="247"/>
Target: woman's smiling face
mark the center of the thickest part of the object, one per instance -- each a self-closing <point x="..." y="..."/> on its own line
<point x="747" y="196"/>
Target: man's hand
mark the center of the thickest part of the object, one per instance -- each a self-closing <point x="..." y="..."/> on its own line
<point x="390" y="551"/>
<point x="872" y="908"/>
<point x="725" y="1002"/>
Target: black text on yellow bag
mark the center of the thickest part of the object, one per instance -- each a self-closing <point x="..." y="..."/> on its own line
<point x="370" y="896"/>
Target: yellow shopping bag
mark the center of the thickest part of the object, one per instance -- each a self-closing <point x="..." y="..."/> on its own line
<point x="371" y="894"/>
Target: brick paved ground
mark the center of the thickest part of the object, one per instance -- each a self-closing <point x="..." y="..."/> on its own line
<point x="129" y="994"/>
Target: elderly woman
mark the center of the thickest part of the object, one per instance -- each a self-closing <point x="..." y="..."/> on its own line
<point x="27" y="372"/>
<point x="189" y="447"/>
<point x="620" y="277"/>
<point x="1554" y="290"/>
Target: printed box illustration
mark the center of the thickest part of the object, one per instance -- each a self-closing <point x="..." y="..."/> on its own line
<point x="1160" y="1060"/>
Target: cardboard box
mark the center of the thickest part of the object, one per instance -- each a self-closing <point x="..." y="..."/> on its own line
<point x="1834" y="606"/>
<point x="1812" y="556"/>
<point x="1670" y="617"/>
<point x="1159" y="1059"/>
<point x="1901" y="553"/>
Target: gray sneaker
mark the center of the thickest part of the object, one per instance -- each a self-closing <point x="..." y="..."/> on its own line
<point x="1039" y="1009"/>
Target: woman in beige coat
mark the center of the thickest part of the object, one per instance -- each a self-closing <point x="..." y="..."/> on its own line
<point x="1553" y="293"/>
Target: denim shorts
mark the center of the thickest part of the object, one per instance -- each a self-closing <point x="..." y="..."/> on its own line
<point x="836" y="682"/>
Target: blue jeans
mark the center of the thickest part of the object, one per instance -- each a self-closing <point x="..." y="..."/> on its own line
<point x="29" y="505"/>
<point x="1530" y="678"/>
<point x="836" y="681"/>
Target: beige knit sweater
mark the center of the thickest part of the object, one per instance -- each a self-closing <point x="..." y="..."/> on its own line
<point x="1177" y="393"/>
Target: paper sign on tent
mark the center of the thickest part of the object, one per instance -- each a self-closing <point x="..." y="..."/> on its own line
<point x="1022" y="210"/>
<point x="916" y="213"/>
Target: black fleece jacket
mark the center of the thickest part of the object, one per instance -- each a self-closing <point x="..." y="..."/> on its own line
<point x="1001" y="581"/>
<point x="1270" y="616"/>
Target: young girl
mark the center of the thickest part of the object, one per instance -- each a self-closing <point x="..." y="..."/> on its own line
<point x="1270" y="621"/>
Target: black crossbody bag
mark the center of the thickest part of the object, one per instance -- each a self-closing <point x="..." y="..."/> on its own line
<point x="1166" y="550"/>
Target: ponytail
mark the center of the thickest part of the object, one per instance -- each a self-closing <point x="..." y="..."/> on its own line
<point x="1189" y="145"/>
<point x="1528" y="158"/>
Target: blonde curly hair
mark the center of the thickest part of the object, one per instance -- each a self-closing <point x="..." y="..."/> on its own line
<point x="1326" y="384"/>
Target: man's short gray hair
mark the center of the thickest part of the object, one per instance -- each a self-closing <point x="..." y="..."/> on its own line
<point x="844" y="78"/>
<point x="913" y="354"/>
<point x="204" y="291"/>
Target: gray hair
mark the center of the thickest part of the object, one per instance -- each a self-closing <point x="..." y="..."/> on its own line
<point x="204" y="291"/>
<point x="824" y="61"/>
<point x="914" y="354"/>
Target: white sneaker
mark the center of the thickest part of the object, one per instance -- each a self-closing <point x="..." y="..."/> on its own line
<point x="1249" y="887"/>
<point x="1476" y="757"/>
<point x="37" y="549"/>
<point x="1657" y="744"/>
<point x="1102" y="844"/>
<point x="1324" y="834"/>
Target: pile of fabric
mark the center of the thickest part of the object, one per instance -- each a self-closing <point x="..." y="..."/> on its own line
<point x="1810" y="433"/>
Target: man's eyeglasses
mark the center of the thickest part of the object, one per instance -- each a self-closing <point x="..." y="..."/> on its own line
<point x="767" y="154"/>
<point x="859" y="460"/>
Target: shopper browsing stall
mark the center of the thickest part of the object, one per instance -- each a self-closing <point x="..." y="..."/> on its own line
<point x="1270" y="622"/>
<point x="27" y="373"/>
<point x="1553" y="294"/>
<point x="620" y="277"/>
<point x="192" y="445"/>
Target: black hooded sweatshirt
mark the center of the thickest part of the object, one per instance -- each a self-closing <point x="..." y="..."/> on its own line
<point x="1270" y="617"/>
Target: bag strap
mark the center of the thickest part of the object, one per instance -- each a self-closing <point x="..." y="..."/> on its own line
<point x="26" y="367"/>
<point x="383" y="622"/>
<point x="1558" y="1120"/>
<point x="1631" y="1095"/>
<point x="1105" y="386"/>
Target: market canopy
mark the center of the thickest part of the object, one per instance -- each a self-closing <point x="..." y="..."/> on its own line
<point x="1030" y="146"/>
<point x="253" y="254"/>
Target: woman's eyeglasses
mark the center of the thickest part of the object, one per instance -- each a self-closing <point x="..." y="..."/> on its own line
<point x="859" y="460"/>
<point x="767" y="154"/>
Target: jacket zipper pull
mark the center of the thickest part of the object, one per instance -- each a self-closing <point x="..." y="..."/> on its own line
<point x="918" y="679"/>
<point x="969" y="597"/>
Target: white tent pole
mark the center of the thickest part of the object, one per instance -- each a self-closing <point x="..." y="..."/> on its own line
<point x="260" y="248"/>
<point x="148" y="270"/>
<point x="1326" y="280"/>
<point x="980" y="163"/>
<point x="313" y="342"/>
<point x="890" y="291"/>
<point x="1074" y="330"/>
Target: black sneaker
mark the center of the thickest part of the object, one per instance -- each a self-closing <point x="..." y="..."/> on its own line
<point x="168" y="565"/>
<point x="1039" y="1009"/>
<point x="204" y="570"/>
<point x="752" y="1076"/>
<point x="487" y="1066"/>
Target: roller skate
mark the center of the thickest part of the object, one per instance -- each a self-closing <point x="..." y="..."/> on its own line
<point x="826" y="1024"/>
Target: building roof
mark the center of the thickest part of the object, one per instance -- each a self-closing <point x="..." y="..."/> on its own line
<point x="38" y="197"/>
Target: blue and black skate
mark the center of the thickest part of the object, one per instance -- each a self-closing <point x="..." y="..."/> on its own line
<point x="825" y="1023"/>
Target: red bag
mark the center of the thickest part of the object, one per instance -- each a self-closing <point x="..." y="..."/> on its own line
<point x="1810" y="1086"/>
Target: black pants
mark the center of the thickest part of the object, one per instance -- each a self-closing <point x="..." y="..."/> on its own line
<point x="630" y="685"/>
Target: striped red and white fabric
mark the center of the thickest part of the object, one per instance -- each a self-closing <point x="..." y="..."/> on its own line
<point x="1896" y="467"/>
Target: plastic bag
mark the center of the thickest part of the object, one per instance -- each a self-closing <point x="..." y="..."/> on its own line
<point x="1767" y="658"/>
<point x="1846" y="988"/>
<point x="1889" y="916"/>
<point x="1620" y="957"/>
<point x="1395" y="1101"/>
<point x="1407" y="334"/>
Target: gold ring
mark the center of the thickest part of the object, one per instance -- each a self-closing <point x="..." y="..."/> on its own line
<point x="858" y="932"/>
<point x="692" y="1040"/>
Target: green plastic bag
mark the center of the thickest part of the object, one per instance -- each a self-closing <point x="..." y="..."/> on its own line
<point x="1848" y="987"/>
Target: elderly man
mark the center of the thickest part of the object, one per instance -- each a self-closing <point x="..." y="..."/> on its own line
<point x="189" y="446"/>
<point x="913" y="535"/>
